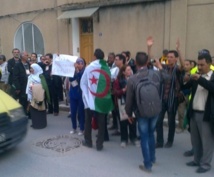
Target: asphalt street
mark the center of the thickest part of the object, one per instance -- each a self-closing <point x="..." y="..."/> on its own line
<point x="53" y="152"/>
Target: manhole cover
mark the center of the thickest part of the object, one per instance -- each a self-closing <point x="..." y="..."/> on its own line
<point x="58" y="145"/>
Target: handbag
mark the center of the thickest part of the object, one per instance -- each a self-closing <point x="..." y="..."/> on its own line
<point x="38" y="97"/>
<point x="122" y="111"/>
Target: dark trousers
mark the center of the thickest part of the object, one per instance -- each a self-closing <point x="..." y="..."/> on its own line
<point x="171" y="122"/>
<point x="23" y="101"/>
<point x="106" y="136"/>
<point x="115" y="119"/>
<point x="124" y="126"/>
<point x="100" y="117"/>
<point x="115" y="114"/>
<point x="53" y="106"/>
<point x="12" y="92"/>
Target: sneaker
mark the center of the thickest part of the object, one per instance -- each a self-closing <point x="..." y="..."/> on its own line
<point x="202" y="170"/>
<point x="112" y="128"/>
<point x="86" y="144"/>
<point x="192" y="164"/>
<point x="189" y="153"/>
<point x="56" y="114"/>
<point x="99" y="148"/>
<point x="73" y="131"/>
<point x="168" y="145"/>
<point x="148" y="170"/>
<point x="179" y="130"/>
<point x="137" y="143"/>
<point x="123" y="144"/>
<point x="80" y="133"/>
<point x="116" y="133"/>
<point x="158" y="145"/>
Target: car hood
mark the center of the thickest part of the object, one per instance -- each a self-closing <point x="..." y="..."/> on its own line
<point x="7" y="103"/>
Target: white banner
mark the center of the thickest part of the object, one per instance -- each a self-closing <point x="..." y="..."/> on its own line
<point x="63" y="65"/>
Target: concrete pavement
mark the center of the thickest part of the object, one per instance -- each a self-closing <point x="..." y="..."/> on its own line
<point x="53" y="152"/>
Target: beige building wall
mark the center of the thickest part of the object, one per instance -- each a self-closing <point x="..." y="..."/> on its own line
<point x="178" y="24"/>
<point x="200" y="27"/>
<point x="55" y="32"/>
<point x="14" y="7"/>
<point x="116" y="28"/>
<point x="127" y="27"/>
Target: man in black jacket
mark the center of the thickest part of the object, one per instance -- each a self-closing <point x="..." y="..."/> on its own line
<point x="20" y="76"/>
<point x="42" y="63"/>
<point x="201" y="113"/>
<point x="10" y="65"/>
<point x="54" y="85"/>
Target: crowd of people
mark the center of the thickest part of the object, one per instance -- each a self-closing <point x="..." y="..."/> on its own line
<point x="23" y="75"/>
<point x="136" y="93"/>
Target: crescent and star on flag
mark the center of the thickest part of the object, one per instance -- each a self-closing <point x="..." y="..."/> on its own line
<point x="94" y="80"/>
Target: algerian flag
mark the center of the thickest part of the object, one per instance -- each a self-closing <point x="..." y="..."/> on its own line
<point x="96" y="87"/>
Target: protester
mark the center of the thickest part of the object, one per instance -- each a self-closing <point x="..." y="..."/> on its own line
<point x="54" y="85"/>
<point x="76" y="102"/>
<point x="36" y="90"/>
<point x="143" y="97"/>
<point x="33" y="58"/>
<point x="194" y="67"/>
<point x="96" y="88"/>
<point x="120" y="86"/>
<point x="112" y="66"/>
<point x="200" y="113"/>
<point x="20" y="75"/>
<point x="129" y="61"/>
<point x="184" y="99"/>
<point x="42" y="63"/>
<point x="111" y="59"/>
<point x="170" y="94"/>
<point x="4" y="74"/>
<point x="164" y="59"/>
<point x="114" y="70"/>
<point x="120" y="61"/>
<point x="10" y="66"/>
<point x="194" y="70"/>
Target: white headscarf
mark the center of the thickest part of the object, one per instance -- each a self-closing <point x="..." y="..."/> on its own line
<point x="33" y="78"/>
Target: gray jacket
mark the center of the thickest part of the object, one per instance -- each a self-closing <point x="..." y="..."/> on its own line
<point x="131" y="104"/>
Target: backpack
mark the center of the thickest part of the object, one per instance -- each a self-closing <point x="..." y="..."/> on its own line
<point x="147" y="94"/>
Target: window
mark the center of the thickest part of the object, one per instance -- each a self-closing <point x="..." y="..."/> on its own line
<point x="29" y="38"/>
<point x="86" y="25"/>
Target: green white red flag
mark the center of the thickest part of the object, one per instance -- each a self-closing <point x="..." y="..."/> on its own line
<point x="96" y="87"/>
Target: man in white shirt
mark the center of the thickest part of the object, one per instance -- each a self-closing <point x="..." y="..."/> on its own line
<point x="201" y="113"/>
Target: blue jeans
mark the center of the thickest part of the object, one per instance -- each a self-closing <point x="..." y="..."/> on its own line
<point x="77" y="108"/>
<point x="146" y="128"/>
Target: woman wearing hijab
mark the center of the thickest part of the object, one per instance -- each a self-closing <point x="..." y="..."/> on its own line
<point x="36" y="90"/>
<point x="76" y="102"/>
